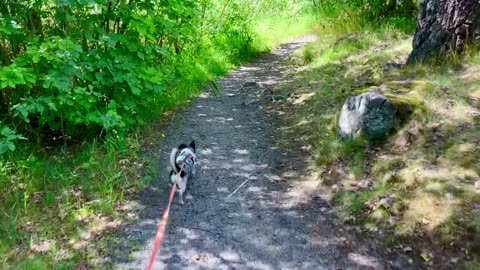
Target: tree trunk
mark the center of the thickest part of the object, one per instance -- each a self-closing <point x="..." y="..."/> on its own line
<point x="445" y="25"/>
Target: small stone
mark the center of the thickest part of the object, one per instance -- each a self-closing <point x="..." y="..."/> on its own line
<point x="387" y="200"/>
<point x="425" y="221"/>
<point x="383" y="88"/>
<point x="250" y="84"/>
<point x="449" y="196"/>
<point x="477" y="186"/>
<point x="392" y="221"/>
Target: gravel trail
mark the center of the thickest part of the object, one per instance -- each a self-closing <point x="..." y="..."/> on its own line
<point x="262" y="225"/>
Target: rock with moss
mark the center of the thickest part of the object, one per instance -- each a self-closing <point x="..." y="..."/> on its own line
<point x="371" y="115"/>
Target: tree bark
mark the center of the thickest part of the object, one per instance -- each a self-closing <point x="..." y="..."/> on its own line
<point x="443" y="26"/>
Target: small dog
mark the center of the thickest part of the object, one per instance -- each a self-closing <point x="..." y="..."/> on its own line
<point x="182" y="158"/>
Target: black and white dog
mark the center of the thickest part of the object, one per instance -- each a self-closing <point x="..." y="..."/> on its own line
<point x="182" y="159"/>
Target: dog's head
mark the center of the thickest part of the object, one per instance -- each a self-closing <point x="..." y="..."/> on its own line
<point x="184" y="152"/>
<point x="179" y="155"/>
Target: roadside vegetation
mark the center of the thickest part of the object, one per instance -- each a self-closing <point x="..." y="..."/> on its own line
<point x="422" y="182"/>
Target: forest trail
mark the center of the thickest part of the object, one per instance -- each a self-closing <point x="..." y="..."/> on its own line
<point x="270" y="223"/>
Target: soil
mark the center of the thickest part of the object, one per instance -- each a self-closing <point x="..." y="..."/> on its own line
<point x="277" y="220"/>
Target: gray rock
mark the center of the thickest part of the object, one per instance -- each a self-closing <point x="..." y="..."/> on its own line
<point x="387" y="200"/>
<point x="250" y="84"/>
<point x="370" y="114"/>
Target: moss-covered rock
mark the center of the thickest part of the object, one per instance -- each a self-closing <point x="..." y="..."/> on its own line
<point x="369" y="114"/>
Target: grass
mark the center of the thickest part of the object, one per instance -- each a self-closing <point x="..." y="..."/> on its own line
<point x="49" y="196"/>
<point x="428" y="166"/>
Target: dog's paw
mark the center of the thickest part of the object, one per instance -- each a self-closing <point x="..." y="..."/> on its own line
<point x="181" y="202"/>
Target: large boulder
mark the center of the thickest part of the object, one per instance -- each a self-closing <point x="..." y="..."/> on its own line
<point x="370" y="114"/>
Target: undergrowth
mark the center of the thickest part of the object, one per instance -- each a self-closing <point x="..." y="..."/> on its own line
<point x="421" y="181"/>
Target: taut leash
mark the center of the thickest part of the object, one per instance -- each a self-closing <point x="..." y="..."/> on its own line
<point x="163" y="223"/>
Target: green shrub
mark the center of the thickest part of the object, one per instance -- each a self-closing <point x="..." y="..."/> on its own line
<point x="82" y="69"/>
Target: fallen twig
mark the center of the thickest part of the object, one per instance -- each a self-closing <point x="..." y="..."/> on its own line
<point x="235" y="191"/>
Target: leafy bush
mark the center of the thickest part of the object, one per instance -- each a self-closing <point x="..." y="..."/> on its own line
<point x="7" y="139"/>
<point x="80" y="69"/>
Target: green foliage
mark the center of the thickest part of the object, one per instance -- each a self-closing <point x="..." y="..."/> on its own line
<point x="357" y="15"/>
<point x="81" y="69"/>
<point x="373" y="9"/>
<point x="8" y="137"/>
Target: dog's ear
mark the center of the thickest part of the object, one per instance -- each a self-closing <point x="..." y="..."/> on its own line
<point x="192" y="145"/>
<point x="182" y="146"/>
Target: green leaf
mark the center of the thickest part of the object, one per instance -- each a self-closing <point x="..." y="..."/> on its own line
<point x="6" y="131"/>
<point x="99" y="76"/>
<point x="3" y="148"/>
<point x="93" y="117"/>
<point x="112" y="104"/>
<point x="132" y="47"/>
<point x="136" y="91"/>
<point x="11" y="146"/>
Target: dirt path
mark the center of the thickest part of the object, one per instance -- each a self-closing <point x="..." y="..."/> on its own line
<point x="262" y="226"/>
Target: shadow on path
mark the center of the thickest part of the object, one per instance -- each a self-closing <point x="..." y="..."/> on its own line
<point x="261" y="226"/>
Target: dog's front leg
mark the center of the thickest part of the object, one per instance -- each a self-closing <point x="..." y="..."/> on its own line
<point x="180" y="196"/>
<point x="181" y="189"/>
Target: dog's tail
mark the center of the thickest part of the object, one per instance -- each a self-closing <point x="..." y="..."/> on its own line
<point x="173" y="156"/>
